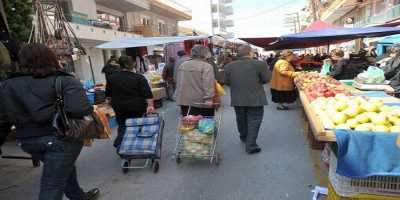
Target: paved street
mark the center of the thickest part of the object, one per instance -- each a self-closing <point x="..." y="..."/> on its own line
<point x="283" y="170"/>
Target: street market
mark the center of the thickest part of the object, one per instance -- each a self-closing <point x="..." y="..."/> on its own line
<point x="149" y="109"/>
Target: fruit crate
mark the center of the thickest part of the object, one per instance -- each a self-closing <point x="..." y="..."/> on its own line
<point x="332" y="195"/>
<point x="375" y="185"/>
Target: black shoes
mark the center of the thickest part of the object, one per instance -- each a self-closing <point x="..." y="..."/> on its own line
<point x="92" y="194"/>
<point x="254" y="150"/>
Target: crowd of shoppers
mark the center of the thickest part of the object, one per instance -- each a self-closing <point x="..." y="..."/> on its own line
<point x="28" y="97"/>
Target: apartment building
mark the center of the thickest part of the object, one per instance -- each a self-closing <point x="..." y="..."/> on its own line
<point x="99" y="21"/>
<point x="356" y="13"/>
<point x="221" y="13"/>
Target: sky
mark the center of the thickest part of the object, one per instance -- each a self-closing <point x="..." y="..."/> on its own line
<point x="252" y="18"/>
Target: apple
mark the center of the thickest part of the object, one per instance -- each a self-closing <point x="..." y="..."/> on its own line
<point x="339" y="118"/>
<point x="380" y="128"/>
<point x="395" y="129"/>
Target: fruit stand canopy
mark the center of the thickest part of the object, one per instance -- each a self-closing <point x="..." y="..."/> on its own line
<point x="323" y="37"/>
<point x="146" y="41"/>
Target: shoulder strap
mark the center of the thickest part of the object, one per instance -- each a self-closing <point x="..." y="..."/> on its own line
<point x="58" y="87"/>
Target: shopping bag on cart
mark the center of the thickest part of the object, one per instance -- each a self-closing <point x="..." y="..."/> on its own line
<point x="140" y="136"/>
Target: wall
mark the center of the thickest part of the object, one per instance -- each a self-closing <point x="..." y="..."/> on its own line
<point x="86" y="7"/>
<point x="135" y="18"/>
<point x="82" y="67"/>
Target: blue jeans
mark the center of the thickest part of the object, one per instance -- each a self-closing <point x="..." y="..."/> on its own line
<point x="59" y="172"/>
<point x="248" y="121"/>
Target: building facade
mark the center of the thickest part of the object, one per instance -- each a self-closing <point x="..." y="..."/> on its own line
<point x="221" y="13"/>
<point x="98" y="21"/>
<point x="356" y="13"/>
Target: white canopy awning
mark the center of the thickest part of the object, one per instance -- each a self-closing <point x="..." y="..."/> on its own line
<point x="146" y="41"/>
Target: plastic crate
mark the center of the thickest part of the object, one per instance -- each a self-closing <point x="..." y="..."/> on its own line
<point x="375" y="185"/>
<point x="332" y="195"/>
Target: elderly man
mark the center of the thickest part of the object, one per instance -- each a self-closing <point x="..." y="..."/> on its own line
<point x="196" y="84"/>
<point x="246" y="78"/>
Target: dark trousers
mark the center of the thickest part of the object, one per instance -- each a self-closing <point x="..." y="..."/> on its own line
<point x="59" y="172"/>
<point x="121" y="118"/>
<point x="248" y="121"/>
<point x="207" y="112"/>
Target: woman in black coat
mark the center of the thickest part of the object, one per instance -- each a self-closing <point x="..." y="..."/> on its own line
<point x="27" y="101"/>
<point x="130" y="94"/>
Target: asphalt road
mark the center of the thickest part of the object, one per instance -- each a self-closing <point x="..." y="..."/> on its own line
<point x="283" y="170"/>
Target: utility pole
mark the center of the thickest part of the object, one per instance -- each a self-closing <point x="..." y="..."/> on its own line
<point x="313" y="11"/>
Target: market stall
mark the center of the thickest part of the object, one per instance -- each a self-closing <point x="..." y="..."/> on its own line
<point x="355" y="121"/>
<point x="152" y="68"/>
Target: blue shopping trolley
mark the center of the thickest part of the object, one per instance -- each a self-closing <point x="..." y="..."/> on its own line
<point x="142" y="140"/>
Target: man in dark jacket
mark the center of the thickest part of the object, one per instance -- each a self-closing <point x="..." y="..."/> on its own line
<point x="246" y="78"/>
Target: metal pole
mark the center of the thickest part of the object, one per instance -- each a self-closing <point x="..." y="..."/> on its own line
<point x="91" y="69"/>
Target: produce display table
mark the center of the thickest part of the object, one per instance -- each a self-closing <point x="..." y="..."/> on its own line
<point x="316" y="126"/>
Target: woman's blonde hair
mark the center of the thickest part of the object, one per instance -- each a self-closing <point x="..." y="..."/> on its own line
<point x="338" y="53"/>
<point x="286" y="53"/>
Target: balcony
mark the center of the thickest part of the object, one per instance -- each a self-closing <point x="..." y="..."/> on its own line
<point x="381" y="18"/>
<point x="94" y="32"/>
<point x="171" y="9"/>
<point x="125" y="5"/>
<point x="337" y="8"/>
<point x="146" y="31"/>
<point x="226" y="10"/>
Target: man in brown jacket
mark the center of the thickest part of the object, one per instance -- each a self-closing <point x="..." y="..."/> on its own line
<point x="196" y="83"/>
<point x="246" y="78"/>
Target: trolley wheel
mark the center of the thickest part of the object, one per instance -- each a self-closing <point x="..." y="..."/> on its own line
<point x="125" y="166"/>
<point x="217" y="159"/>
<point x="178" y="159"/>
<point x="156" y="167"/>
<point x="36" y="163"/>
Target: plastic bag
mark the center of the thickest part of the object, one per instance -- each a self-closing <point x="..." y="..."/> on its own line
<point x="373" y="75"/>
<point x="206" y="126"/>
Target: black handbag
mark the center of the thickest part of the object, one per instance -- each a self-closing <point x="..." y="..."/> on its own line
<point x="88" y="127"/>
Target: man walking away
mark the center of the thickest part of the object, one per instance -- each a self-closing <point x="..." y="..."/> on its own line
<point x="182" y="57"/>
<point x="246" y="78"/>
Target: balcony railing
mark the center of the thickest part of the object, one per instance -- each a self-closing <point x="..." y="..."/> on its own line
<point x="384" y="16"/>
